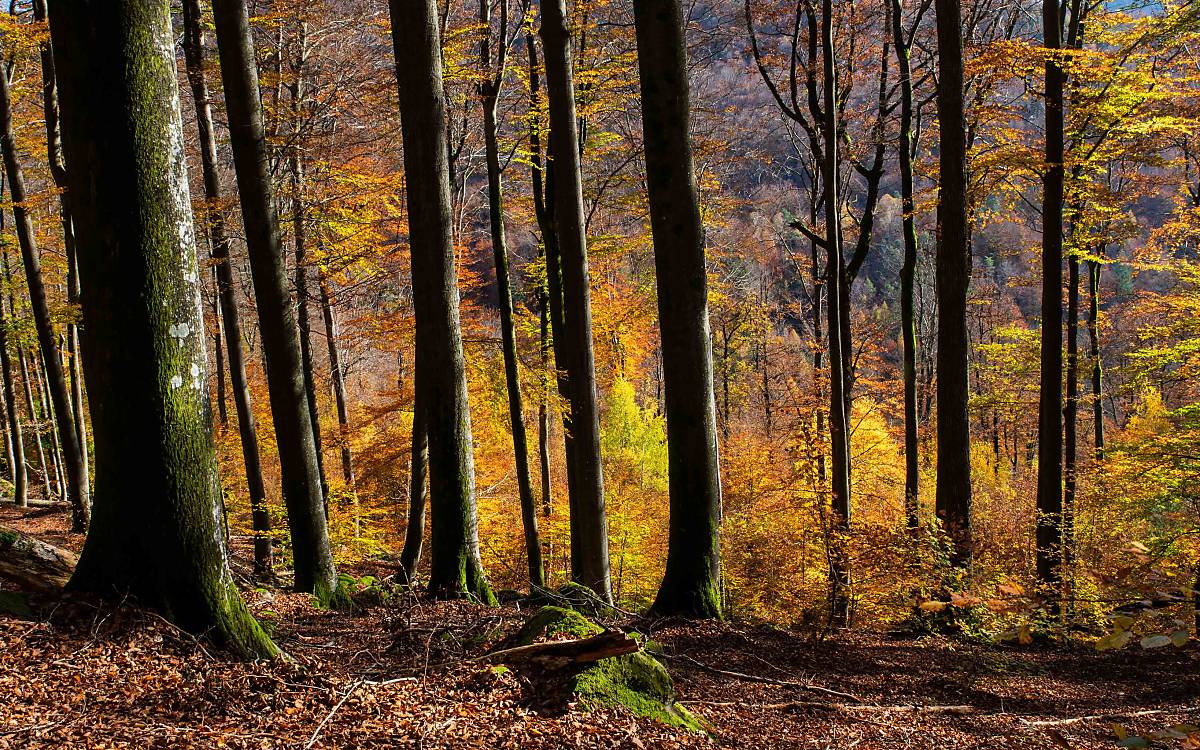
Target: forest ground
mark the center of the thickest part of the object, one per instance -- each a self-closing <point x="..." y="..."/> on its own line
<point x="81" y="673"/>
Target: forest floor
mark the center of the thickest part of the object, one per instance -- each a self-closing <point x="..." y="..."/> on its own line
<point x="81" y="673"/>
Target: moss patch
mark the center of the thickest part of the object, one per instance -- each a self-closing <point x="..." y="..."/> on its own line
<point x="14" y="604"/>
<point x="638" y="682"/>
<point x="551" y="622"/>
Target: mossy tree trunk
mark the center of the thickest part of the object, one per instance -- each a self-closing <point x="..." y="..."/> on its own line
<point x="691" y="585"/>
<point x="315" y="572"/>
<point x="455" y="568"/>
<point x="953" y="272"/>
<point x="226" y="291"/>
<point x="76" y="474"/>
<point x="156" y="532"/>
<point x="589" y="524"/>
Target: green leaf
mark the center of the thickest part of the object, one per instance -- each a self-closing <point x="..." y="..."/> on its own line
<point x="1156" y="641"/>
<point x="1180" y="637"/>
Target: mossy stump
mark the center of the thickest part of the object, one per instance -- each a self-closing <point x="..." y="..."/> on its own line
<point x="636" y="681"/>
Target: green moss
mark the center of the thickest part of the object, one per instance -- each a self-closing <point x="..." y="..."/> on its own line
<point x="577" y="597"/>
<point x="8" y="537"/>
<point x="638" y="682"/>
<point x="15" y="604"/>
<point x="550" y="622"/>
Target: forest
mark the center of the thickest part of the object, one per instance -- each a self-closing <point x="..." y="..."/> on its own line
<point x="600" y="374"/>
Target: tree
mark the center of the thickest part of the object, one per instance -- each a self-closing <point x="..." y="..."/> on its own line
<point x="691" y="584"/>
<point x="1050" y="392"/>
<point x="589" y="524"/>
<point x="77" y="480"/>
<point x="489" y="94"/>
<point x="455" y="568"/>
<point x="315" y="572"/>
<point x="953" y="498"/>
<point x="156" y="530"/>
<point x="20" y="475"/>
<point x="193" y="49"/>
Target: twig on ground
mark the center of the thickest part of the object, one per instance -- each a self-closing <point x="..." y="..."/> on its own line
<point x="317" y="732"/>
<point x="1107" y="717"/>
<point x="767" y="680"/>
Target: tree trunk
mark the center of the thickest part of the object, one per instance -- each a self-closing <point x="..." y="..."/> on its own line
<point x="691" y="584"/>
<point x="338" y="378"/>
<point x="908" y="272"/>
<point x="20" y="475"/>
<point x="1050" y="395"/>
<point x="36" y="422"/>
<point x="1093" y="326"/>
<point x="455" y="568"/>
<point x="315" y="571"/>
<point x="77" y="480"/>
<point x="418" y="483"/>
<point x="156" y="532"/>
<point x="222" y="408"/>
<point x="953" y="492"/>
<point x="489" y="94"/>
<point x="215" y="223"/>
<point x="839" y="563"/>
<point x="1070" y="415"/>
<point x="46" y="408"/>
<point x="589" y="525"/>
<point x="300" y="232"/>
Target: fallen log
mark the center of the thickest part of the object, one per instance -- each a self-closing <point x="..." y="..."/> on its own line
<point x="563" y="653"/>
<point x="32" y="564"/>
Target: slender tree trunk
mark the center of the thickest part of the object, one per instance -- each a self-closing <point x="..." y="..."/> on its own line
<point x="46" y="409"/>
<point x="589" y="525"/>
<point x="58" y="172"/>
<point x="544" y="397"/>
<point x="222" y="409"/>
<point x="839" y="563"/>
<point x="77" y="480"/>
<point x="12" y="411"/>
<point x="338" y="377"/>
<point x="1070" y="416"/>
<point x="455" y="568"/>
<point x="226" y="295"/>
<point x="157" y="531"/>
<point x="908" y="272"/>
<point x="1050" y="399"/>
<point x="1097" y="373"/>
<point x="300" y="235"/>
<point x="691" y="584"/>
<point x="489" y="95"/>
<point x="36" y="422"/>
<point x="315" y="571"/>
<point x="953" y="494"/>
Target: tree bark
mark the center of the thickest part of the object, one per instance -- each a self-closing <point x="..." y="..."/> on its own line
<point x="691" y="584"/>
<point x="1070" y="414"/>
<point x="839" y="563"/>
<point x="1097" y="373"/>
<point x="1050" y="391"/>
<point x="908" y="272"/>
<point x="156" y="533"/>
<point x="589" y="525"/>
<point x="77" y="480"/>
<point x="226" y="294"/>
<point x="953" y="492"/>
<point x="455" y="568"/>
<point x="20" y="475"/>
<point x="315" y="571"/>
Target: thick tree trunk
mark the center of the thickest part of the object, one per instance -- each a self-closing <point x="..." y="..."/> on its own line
<point x="839" y="563"/>
<point x="455" y="568"/>
<point x="1050" y="398"/>
<point x="908" y="272"/>
<point x="489" y="94"/>
<point x="589" y="525"/>
<point x="418" y="484"/>
<point x="301" y="480"/>
<point x="691" y="584"/>
<point x="215" y="223"/>
<point x="156" y="532"/>
<point x="77" y="480"/>
<point x="953" y="492"/>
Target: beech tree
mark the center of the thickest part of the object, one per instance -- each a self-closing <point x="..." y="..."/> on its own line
<point x="691" y="584"/>
<point x="315" y="572"/>
<point x="589" y="524"/>
<point x="156" y="531"/>
<point x="455" y="568"/>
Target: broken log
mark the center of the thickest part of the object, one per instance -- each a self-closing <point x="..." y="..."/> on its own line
<point x="32" y="564"/>
<point x="563" y="653"/>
